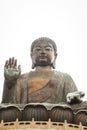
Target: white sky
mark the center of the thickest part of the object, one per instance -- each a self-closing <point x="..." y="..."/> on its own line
<point x="64" y="21"/>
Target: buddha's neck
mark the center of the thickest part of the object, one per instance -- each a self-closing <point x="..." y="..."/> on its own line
<point x="43" y="68"/>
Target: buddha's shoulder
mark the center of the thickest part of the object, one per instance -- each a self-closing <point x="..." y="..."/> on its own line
<point x="61" y="74"/>
<point x="53" y="73"/>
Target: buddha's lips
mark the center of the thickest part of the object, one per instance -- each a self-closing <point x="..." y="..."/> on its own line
<point x="42" y="59"/>
<point x="43" y="56"/>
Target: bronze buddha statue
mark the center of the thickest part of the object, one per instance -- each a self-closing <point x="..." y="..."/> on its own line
<point x="43" y="84"/>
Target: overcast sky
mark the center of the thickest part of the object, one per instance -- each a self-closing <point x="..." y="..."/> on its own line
<point x="64" y="21"/>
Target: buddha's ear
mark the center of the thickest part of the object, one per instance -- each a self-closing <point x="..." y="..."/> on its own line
<point x="56" y="55"/>
<point x="53" y="64"/>
<point x="33" y="65"/>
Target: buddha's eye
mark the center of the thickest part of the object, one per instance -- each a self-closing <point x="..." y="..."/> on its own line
<point x="48" y="49"/>
<point x="37" y="49"/>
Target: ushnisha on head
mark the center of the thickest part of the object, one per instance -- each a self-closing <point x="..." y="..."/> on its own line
<point x="43" y="52"/>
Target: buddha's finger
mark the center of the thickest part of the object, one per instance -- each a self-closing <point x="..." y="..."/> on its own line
<point x="6" y="64"/>
<point x="19" y="68"/>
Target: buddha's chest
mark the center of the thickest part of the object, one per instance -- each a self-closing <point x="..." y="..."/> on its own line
<point x="41" y="88"/>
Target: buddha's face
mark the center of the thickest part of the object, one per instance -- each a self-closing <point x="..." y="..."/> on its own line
<point x="43" y="54"/>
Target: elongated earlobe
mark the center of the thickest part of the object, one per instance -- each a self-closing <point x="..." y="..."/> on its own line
<point x="53" y="65"/>
<point x="33" y="65"/>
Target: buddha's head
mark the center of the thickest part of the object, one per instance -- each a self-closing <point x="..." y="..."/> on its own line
<point x="43" y="52"/>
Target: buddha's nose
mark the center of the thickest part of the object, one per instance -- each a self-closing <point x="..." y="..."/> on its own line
<point x="43" y="51"/>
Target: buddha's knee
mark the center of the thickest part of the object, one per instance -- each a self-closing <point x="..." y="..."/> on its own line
<point x="10" y="114"/>
<point x="61" y="113"/>
<point x="38" y="112"/>
<point x="81" y="117"/>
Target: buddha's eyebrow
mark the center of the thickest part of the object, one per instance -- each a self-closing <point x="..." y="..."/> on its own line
<point x="44" y="46"/>
<point x="48" y="46"/>
<point x="37" y="46"/>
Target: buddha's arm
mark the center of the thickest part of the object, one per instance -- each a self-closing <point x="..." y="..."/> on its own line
<point x="8" y="91"/>
<point x="70" y="85"/>
<point x="11" y="75"/>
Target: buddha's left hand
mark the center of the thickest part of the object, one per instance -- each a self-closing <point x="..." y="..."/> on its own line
<point x="75" y="97"/>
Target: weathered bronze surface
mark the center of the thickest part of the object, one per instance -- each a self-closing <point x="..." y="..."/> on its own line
<point x="41" y="85"/>
<point x="81" y="116"/>
<point x="10" y="113"/>
<point x="38" y="112"/>
<point x="60" y="113"/>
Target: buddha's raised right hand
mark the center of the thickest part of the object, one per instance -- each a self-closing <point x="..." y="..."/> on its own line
<point x="11" y="70"/>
